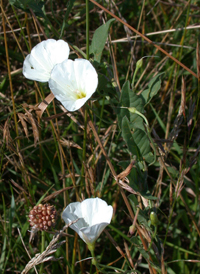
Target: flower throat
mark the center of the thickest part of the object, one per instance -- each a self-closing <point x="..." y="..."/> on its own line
<point x="80" y="94"/>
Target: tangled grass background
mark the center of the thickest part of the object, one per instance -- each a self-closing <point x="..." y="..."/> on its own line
<point x="104" y="150"/>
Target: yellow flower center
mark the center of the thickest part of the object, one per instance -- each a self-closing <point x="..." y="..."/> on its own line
<point x="80" y="94"/>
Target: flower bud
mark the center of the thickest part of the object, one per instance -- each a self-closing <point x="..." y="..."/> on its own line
<point x="139" y="63"/>
<point x="154" y="218"/>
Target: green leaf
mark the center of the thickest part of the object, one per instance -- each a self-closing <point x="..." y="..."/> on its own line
<point x="148" y="196"/>
<point x="104" y="85"/>
<point x="99" y="40"/>
<point x="130" y="99"/>
<point x="153" y="88"/>
<point x="3" y="254"/>
<point x="128" y="138"/>
<point x="137" y="141"/>
<point x="26" y="5"/>
<point x="139" y="246"/>
<point x="142" y="141"/>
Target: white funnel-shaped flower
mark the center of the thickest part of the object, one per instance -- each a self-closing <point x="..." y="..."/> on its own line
<point x="73" y="82"/>
<point x="94" y="215"/>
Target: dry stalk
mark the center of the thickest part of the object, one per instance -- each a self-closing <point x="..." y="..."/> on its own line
<point x="51" y="248"/>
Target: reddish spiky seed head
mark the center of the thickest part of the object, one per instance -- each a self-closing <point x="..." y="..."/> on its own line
<point x="42" y="217"/>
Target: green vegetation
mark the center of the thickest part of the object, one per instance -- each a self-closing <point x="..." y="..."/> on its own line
<point x="135" y="143"/>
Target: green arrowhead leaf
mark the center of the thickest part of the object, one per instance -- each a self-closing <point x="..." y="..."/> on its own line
<point x="153" y="88"/>
<point x="137" y="141"/>
<point x="99" y="40"/>
<point x="129" y="99"/>
<point x="128" y="137"/>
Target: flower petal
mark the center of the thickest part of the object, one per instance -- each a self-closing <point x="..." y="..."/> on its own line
<point x="86" y="75"/>
<point x="96" y="210"/>
<point x="43" y="57"/>
<point x="94" y="214"/>
<point x="92" y="233"/>
<point x="73" y="83"/>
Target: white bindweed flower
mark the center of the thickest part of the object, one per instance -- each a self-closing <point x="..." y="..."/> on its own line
<point x="73" y="82"/>
<point x="94" y="215"/>
<point x="44" y="56"/>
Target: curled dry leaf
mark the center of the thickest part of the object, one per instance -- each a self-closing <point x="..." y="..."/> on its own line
<point x="127" y="187"/>
<point x="44" y="104"/>
<point x="126" y="172"/>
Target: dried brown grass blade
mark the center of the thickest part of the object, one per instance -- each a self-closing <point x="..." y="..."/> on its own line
<point x="7" y="137"/>
<point x="183" y="100"/>
<point x="128" y="255"/>
<point x="67" y="143"/>
<point x="6" y="133"/>
<point x="18" y="186"/>
<point x="56" y="193"/>
<point x="22" y="118"/>
<point x="44" y="104"/>
<point x="13" y="162"/>
<point x="198" y="61"/>
<point x="51" y="248"/>
<point x="114" y="243"/>
<point x="34" y="127"/>
<point x="53" y="116"/>
<point x="190" y="115"/>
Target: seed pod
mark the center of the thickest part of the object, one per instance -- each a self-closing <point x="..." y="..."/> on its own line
<point x="154" y="218"/>
<point x="42" y="217"/>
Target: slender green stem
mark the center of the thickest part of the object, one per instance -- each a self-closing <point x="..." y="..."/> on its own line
<point x="94" y="260"/>
<point x="153" y="237"/>
<point x="84" y="142"/>
<point x="42" y="248"/>
<point x="85" y="118"/>
<point x="101" y="267"/>
<point x="169" y="222"/>
<point x="87" y="28"/>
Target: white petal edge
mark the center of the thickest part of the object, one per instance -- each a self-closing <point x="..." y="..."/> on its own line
<point x="44" y="56"/>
